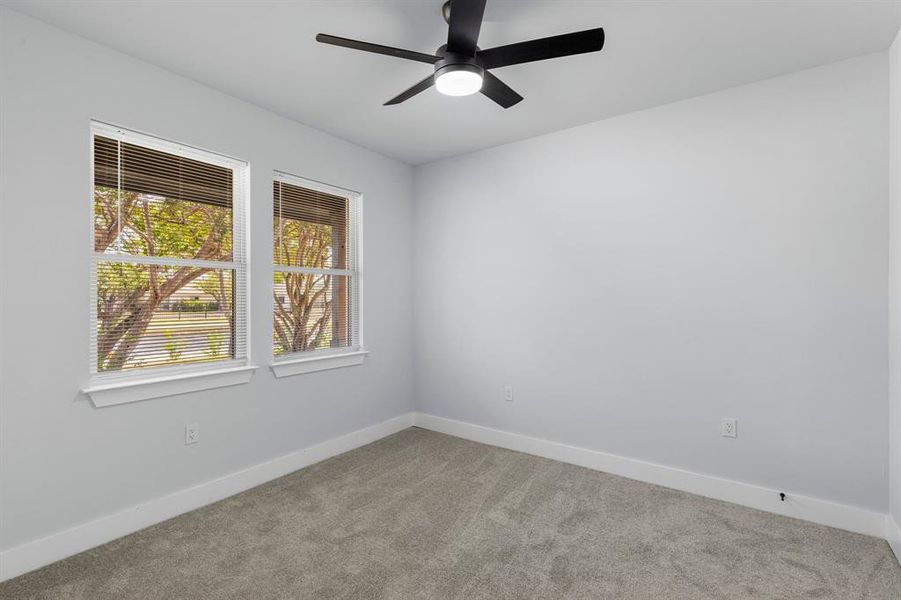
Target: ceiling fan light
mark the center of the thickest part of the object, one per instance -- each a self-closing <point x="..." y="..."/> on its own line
<point x="458" y="81"/>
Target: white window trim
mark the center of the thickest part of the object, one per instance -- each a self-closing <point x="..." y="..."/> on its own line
<point x="299" y="363"/>
<point x="110" y="389"/>
<point x="135" y="389"/>
<point x="324" y="362"/>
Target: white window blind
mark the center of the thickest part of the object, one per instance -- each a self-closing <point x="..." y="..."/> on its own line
<point x="169" y="274"/>
<point x="316" y="283"/>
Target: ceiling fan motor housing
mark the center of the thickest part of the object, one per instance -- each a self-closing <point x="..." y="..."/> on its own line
<point x="451" y="61"/>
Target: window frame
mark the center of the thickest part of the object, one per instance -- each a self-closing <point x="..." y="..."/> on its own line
<point x="117" y="387"/>
<point x="308" y="361"/>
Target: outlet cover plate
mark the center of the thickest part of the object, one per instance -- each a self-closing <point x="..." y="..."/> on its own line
<point x="192" y="433"/>
<point x="730" y="428"/>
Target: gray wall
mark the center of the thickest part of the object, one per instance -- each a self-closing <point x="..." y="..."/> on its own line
<point x="64" y="462"/>
<point x="636" y="279"/>
<point x="895" y="297"/>
<point x="639" y="278"/>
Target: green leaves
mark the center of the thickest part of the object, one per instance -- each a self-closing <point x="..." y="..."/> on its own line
<point x="147" y="225"/>
<point x="133" y="299"/>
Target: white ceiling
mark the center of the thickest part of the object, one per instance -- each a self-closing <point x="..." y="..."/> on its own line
<point x="656" y="52"/>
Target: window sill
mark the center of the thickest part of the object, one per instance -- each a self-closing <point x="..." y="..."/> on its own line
<point x="311" y="364"/>
<point x="135" y="390"/>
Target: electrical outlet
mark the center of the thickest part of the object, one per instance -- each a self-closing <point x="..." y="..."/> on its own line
<point x="192" y="433"/>
<point x="730" y="428"/>
<point x="508" y="392"/>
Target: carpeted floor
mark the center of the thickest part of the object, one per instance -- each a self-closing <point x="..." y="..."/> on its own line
<point x="424" y="515"/>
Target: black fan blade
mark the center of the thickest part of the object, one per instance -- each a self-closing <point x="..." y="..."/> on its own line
<point x="464" y="26"/>
<point x="376" y="48"/>
<point x="409" y="93"/>
<point x="567" y="44"/>
<point x="499" y="91"/>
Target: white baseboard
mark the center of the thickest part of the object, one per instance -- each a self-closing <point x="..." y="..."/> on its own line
<point x="32" y="555"/>
<point x="842" y="516"/>
<point x="893" y="536"/>
<point x="35" y="554"/>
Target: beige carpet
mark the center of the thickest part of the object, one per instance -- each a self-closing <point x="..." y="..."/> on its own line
<point x="424" y="515"/>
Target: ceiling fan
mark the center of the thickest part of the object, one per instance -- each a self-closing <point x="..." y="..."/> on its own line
<point x="461" y="67"/>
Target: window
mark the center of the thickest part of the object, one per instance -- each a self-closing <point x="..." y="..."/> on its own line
<point x="169" y="272"/>
<point x="316" y="291"/>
